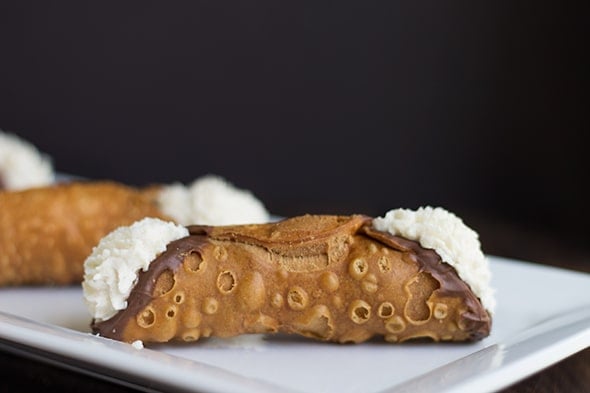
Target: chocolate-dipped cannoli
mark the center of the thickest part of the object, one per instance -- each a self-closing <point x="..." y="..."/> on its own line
<point x="47" y="232"/>
<point x="410" y="274"/>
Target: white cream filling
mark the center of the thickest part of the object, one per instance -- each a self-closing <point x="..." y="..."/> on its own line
<point x="456" y="244"/>
<point x="137" y="344"/>
<point x="110" y="272"/>
<point x="22" y="165"/>
<point x="211" y="200"/>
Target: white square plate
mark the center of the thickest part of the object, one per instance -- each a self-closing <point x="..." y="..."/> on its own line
<point x="543" y="316"/>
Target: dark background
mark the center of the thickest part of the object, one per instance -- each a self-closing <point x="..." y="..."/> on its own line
<point x="321" y="107"/>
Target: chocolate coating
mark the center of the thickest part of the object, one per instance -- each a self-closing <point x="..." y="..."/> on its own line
<point x="477" y="318"/>
<point x="141" y="294"/>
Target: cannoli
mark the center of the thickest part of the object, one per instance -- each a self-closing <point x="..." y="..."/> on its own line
<point x="46" y="233"/>
<point x="22" y="165"/>
<point x="333" y="278"/>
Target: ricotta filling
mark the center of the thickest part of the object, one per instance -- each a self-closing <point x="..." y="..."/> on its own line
<point x="211" y="200"/>
<point x="456" y="244"/>
<point x="22" y="165"/>
<point x="111" y="270"/>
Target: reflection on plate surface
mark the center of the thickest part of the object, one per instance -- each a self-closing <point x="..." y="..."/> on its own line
<point x="533" y="328"/>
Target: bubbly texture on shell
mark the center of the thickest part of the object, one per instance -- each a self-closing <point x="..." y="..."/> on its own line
<point x="456" y="244"/>
<point x="211" y="200"/>
<point x="110" y="272"/>
<point x="22" y="165"/>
